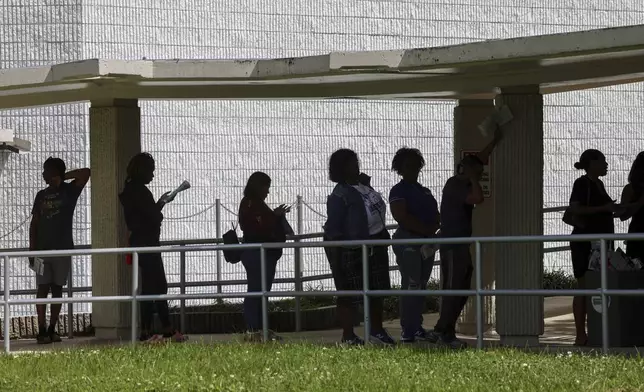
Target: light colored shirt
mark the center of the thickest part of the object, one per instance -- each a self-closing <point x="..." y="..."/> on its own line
<point x="376" y="208"/>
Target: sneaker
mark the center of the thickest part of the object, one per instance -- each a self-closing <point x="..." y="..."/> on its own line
<point x="452" y="341"/>
<point x="420" y="335"/>
<point x="273" y="337"/>
<point x="352" y="341"/>
<point x="43" y="338"/>
<point x="53" y="336"/>
<point x="383" y="338"/>
<point x="176" y="337"/>
<point x="155" y="339"/>
<point x="433" y="336"/>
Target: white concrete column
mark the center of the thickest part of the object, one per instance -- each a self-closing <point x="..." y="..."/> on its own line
<point x="467" y="138"/>
<point x="115" y="136"/>
<point x="519" y="196"/>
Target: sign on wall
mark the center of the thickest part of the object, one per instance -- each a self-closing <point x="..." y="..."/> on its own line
<point x="486" y="180"/>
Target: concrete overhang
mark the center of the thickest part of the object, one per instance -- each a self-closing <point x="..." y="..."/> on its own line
<point x="556" y="63"/>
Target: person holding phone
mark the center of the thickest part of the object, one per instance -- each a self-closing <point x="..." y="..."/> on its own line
<point x="593" y="211"/>
<point x="260" y="224"/>
<point x="415" y="209"/>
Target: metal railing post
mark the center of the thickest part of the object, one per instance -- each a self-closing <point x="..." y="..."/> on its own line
<point x="262" y="259"/>
<point x="70" y="306"/>
<point x="604" y="283"/>
<point x="7" y="307"/>
<point x="298" y="267"/>
<point x="366" y="307"/>
<point x="182" y="289"/>
<point x="218" y="234"/>
<point x="479" y="298"/>
<point x="135" y="287"/>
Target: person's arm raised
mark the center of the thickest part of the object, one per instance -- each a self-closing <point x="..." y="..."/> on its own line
<point x="79" y="177"/>
<point x="484" y="154"/>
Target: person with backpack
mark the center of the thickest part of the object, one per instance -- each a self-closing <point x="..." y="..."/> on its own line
<point x="591" y="211"/>
<point x="356" y="211"/>
<point x="143" y="218"/>
<point x="260" y="224"/>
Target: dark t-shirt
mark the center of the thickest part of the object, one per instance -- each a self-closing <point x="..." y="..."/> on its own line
<point x="55" y="209"/>
<point x="142" y="214"/>
<point x="419" y="201"/>
<point x="589" y="193"/>
<point x="456" y="214"/>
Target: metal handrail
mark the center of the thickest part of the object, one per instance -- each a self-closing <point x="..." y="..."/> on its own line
<point x="219" y="283"/>
<point x="478" y="292"/>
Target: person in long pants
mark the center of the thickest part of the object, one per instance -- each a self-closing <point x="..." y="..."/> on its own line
<point x="415" y="209"/>
<point x="260" y="224"/>
<point x="143" y="218"/>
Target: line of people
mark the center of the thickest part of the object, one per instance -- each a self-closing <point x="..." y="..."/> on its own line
<point x="355" y="212"/>
<point x="593" y="211"/>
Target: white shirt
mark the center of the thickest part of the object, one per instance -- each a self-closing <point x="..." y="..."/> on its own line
<point x="376" y="208"/>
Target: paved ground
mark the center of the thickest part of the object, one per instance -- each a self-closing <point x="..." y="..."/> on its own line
<point x="558" y="335"/>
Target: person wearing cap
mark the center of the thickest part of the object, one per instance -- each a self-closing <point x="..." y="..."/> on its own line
<point x="460" y="194"/>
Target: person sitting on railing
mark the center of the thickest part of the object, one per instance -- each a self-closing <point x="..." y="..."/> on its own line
<point x="260" y="224"/>
<point x="632" y="202"/>
<point x="356" y="212"/>
<point x="143" y="218"/>
<point x="51" y="229"/>
<point x="415" y="209"/>
<point x="591" y="210"/>
<point x="460" y="194"/>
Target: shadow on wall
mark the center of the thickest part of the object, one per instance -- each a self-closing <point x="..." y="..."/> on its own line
<point x="4" y="158"/>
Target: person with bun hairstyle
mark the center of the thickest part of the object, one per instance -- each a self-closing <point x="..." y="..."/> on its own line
<point x="592" y="210"/>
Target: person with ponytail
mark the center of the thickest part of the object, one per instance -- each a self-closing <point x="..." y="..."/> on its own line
<point x="143" y="218"/>
<point x="591" y="211"/>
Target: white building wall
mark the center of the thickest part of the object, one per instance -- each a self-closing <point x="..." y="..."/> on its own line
<point x="216" y="145"/>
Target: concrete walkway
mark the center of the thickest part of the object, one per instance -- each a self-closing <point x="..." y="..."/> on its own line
<point x="558" y="337"/>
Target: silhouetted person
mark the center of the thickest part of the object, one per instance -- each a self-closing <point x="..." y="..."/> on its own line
<point x="593" y="210"/>
<point x="260" y="224"/>
<point x="51" y="229"/>
<point x="632" y="202"/>
<point x="460" y="194"/>
<point x="356" y="211"/>
<point x="415" y="209"/>
<point x="143" y="218"/>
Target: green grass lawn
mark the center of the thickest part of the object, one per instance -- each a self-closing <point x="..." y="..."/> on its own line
<point x="239" y="367"/>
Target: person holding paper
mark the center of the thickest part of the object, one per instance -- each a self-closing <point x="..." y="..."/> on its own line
<point x="143" y="218"/>
<point x="415" y="209"/>
<point x="51" y="229"/>
<point x="460" y="194"/>
<point x="260" y="224"/>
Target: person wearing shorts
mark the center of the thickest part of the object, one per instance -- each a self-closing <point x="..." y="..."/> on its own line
<point x="460" y="194"/>
<point x="51" y="229"/>
<point x="356" y="212"/>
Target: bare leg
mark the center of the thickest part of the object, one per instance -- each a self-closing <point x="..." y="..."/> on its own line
<point x="56" y="292"/>
<point x="579" y="311"/>
<point x="346" y="313"/>
<point x="41" y="310"/>
<point x="377" y="305"/>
